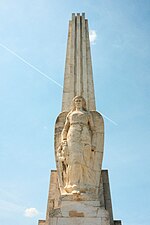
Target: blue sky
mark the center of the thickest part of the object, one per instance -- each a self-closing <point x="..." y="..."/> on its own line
<point x="37" y="31"/>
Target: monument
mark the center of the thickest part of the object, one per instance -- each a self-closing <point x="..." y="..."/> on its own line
<point x="79" y="190"/>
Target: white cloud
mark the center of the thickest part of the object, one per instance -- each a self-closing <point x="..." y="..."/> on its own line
<point x="93" y="36"/>
<point x="31" y="212"/>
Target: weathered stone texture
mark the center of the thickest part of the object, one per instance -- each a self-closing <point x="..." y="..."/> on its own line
<point x="107" y="196"/>
<point x="87" y="172"/>
<point x="78" y="221"/>
<point x="79" y="209"/>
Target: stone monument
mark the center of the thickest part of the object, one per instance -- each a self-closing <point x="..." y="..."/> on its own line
<point x="79" y="190"/>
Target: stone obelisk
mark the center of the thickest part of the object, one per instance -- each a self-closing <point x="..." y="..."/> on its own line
<point x="78" y="79"/>
<point x="79" y="190"/>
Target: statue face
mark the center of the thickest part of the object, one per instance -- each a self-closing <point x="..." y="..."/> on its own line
<point x="78" y="102"/>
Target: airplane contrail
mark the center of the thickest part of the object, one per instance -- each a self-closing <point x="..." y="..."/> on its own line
<point x="45" y="75"/>
<point x="29" y="64"/>
<point x="106" y="117"/>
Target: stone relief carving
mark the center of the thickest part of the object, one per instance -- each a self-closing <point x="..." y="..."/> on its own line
<point x="79" y="148"/>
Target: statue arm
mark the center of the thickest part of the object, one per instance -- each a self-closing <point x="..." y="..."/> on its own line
<point x="93" y="132"/>
<point x="65" y="130"/>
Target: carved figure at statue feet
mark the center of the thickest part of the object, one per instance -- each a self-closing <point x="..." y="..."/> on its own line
<point x="78" y="136"/>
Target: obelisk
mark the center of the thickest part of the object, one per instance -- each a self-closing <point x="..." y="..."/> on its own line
<point x="79" y="190"/>
<point x="78" y="79"/>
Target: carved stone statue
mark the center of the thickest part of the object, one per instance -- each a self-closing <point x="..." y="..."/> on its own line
<point x="77" y="154"/>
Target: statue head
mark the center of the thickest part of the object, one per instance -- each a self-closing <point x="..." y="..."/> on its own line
<point x="76" y="100"/>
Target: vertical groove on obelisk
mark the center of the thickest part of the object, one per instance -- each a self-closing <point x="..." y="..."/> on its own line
<point x="84" y="68"/>
<point x="78" y="61"/>
<point x="73" y="51"/>
<point x="81" y="62"/>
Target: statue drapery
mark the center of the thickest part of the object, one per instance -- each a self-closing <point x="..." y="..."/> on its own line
<point x="79" y="148"/>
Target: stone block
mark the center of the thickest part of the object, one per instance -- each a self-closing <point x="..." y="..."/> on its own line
<point x="76" y="221"/>
<point x="42" y="222"/>
<point x="81" y="209"/>
<point x="117" y="222"/>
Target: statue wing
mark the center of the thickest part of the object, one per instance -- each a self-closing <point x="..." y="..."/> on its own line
<point x="59" y="125"/>
<point x="98" y="153"/>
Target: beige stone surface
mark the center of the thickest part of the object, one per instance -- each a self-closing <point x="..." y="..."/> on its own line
<point x="78" y="78"/>
<point x="85" y="208"/>
<point x="79" y="213"/>
<point x="79" y="197"/>
<point x="59" y="210"/>
<point x="78" y="221"/>
<point x="79" y="140"/>
<point x="107" y="195"/>
<point x="79" y="131"/>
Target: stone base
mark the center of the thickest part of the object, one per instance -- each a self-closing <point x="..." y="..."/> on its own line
<point x="79" y="209"/>
<point x="79" y="213"/>
<point x="79" y="221"/>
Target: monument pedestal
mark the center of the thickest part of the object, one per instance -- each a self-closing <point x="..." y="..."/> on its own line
<point x="79" y="221"/>
<point x="79" y="212"/>
<point x="79" y="209"/>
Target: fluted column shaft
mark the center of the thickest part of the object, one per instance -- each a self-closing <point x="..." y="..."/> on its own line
<point x="78" y="78"/>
